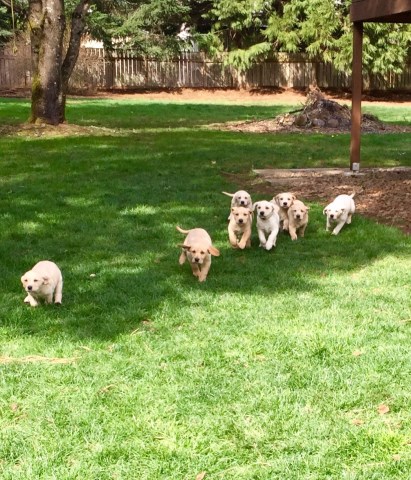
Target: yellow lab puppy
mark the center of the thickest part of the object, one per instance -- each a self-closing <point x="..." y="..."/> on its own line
<point x="240" y="199"/>
<point x="43" y="282"/>
<point x="239" y="227"/>
<point x="197" y="249"/>
<point x="284" y="201"/>
<point x="297" y="219"/>
<point x="340" y="211"/>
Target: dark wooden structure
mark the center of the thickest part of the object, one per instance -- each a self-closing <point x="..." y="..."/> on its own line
<point x="381" y="11"/>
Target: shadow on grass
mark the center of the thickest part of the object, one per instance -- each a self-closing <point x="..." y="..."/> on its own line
<point x="142" y="114"/>
<point x="105" y="210"/>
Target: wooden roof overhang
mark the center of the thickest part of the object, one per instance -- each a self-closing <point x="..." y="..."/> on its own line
<point x="388" y="11"/>
<point x="380" y="11"/>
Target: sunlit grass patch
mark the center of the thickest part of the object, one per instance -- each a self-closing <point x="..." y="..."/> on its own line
<point x="277" y="366"/>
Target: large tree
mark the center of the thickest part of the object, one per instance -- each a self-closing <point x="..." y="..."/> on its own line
<point x="50" y="71"/>
<point x="147" y="26"/>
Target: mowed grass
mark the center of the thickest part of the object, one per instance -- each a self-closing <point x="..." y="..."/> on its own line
<point x="289" y="364"/>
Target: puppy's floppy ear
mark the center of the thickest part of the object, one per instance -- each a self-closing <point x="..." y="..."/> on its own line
<point x="253" y="207"/>
<point x="46" y="280"/>
<point x="293" y="197"/>
<point x="213" y="251"/>
<point x="186" y="247"/>
<point x="325" y="211"/>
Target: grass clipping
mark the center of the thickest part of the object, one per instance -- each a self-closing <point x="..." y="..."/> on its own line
<point x="36" y="359"/>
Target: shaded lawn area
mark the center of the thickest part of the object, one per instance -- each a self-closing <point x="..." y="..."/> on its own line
<point x="275" y="367"/>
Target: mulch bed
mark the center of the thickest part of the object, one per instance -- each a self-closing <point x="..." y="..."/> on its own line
<point x="383" y="194"/>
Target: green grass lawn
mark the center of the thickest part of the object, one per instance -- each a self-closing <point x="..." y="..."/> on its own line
<point x="275" y="368"/>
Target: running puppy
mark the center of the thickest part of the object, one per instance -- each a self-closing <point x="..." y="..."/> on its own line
<point x="43" y="282"/>
<point x="240" y="199"/>
<point x="268" y="223"/>
<point x="297" y="219"/>
<point x="339" y="211"/>
<point x="284" y="201"/>
<point x="239" y="227"/>
<point x="197" y="249"/>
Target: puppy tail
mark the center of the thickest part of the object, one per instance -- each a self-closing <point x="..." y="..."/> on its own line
<point x="181" y="230"/>
<point x="352" y="195"/>
<point x="228" y="194"/>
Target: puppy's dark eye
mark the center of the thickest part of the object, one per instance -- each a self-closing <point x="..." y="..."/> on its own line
<point x="35" y="280"/>
<point x="202" y="253"/>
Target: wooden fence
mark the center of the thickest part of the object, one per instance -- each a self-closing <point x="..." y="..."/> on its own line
<point x="97" y="69"/>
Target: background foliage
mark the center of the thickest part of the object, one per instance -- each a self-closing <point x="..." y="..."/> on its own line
<point x="249" y="30"/>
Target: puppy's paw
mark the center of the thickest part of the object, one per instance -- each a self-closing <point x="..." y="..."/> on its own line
<point x="293" y="237"/>
<point x="234" y="245"/>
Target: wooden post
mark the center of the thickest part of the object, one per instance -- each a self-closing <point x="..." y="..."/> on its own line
<point x="355" y="147"/>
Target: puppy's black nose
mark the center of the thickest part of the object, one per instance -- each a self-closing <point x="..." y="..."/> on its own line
<point x="29" y="287"/>
<point x="197" y="259"/>
<point x="240" y="220"/>
<point x="261" y="214"/>
<point x="242" y="202"/>
<point x="332" y="215"/>
<point x="298" y="216"/>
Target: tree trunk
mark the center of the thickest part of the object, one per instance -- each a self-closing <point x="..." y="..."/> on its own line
<point x="50" y="74"/>
<point x="78" y="23"/>
<point x="47" y="23"/>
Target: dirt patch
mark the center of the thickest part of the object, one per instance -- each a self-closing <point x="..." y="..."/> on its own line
<point x="227" y="95"/>
<point x="383" y="194"/>
<point x="264" y="95"/>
